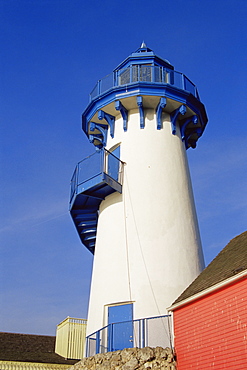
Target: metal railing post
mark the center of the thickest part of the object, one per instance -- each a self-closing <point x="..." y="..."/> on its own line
<point x="87" y="345"/>
<point x="97" y="342"/>
<point x="183" y="81"/>
<point x="140" y="333"/>
<point x="153" y="73"/>
<point x="131" y="74"/>
<point x="111" y="336"/>
<point x="104" y="163"/>
<point x="99" y="87"/>
<point x="143" y="333"/>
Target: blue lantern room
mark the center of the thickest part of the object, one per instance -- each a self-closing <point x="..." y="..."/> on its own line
<point x="143" y="80"/>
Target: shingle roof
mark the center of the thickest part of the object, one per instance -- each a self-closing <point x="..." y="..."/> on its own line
<point x="30" y="348"/>
<point x="229" y="262"/>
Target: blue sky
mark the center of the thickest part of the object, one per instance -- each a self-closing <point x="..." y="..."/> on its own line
<point x="53" y="52"/>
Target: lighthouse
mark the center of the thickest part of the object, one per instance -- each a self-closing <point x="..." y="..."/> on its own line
<point x="131" y="200"/>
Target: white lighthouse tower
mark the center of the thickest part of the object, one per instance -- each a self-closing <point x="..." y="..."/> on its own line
<point x="132" y="200"/>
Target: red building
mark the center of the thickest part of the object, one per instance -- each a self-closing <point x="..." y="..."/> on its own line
<point x="210" y="316"/>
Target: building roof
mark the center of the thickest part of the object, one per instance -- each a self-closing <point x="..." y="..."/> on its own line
<point x="30" y="348"/>
<point x="229" y="262"/>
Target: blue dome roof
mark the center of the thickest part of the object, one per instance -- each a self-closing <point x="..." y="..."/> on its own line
<point x="144" y="55"/>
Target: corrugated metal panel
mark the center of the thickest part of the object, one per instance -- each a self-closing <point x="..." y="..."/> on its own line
<point x="70" y="338"/>
<point x="14" y="365"/>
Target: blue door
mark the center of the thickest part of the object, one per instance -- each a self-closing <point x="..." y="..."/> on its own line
<point x="113" y="163"/>
<point x="120" y="332"/>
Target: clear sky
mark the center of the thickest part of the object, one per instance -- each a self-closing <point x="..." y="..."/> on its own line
<point x="52" y="54"/>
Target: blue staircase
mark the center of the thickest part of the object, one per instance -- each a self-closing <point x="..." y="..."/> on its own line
<point x="94" y="178"/>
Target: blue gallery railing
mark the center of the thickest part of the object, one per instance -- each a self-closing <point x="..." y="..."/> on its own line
<point x="144" y="73"/>
<point x="94" y="178"/>
<point x="96" y="164"/>
<point x="152" y="332"/>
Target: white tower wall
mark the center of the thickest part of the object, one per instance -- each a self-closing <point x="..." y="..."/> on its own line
<point x="148" y="248"/>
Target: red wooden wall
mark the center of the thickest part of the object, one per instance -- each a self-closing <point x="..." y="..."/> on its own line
<point x="211" y="333"/>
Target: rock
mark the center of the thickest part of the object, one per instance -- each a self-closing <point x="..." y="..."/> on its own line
<point x="145" y="354"/>
<point x="115" y="360"/>
<point x="105" y="365"/>
<point x="170" y="358"/>
<point x="148" y="365"/>
<point x="98" y="359"/>
<point x="128" y="353"/>
<point x="88" y="363"/>
<point x="132" y="364"/>
<point x="130" y="359"/>
<point x="160" y="352"/>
